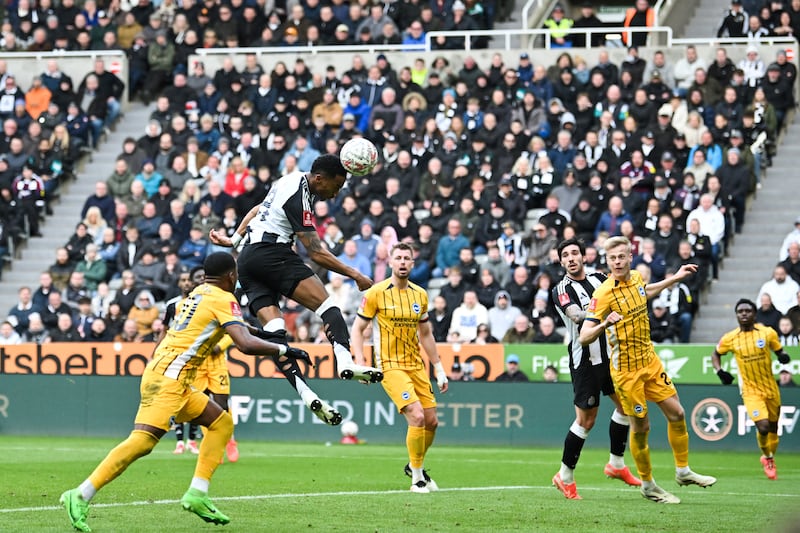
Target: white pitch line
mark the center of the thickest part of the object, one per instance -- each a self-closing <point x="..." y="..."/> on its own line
<point x="366" y="493"/>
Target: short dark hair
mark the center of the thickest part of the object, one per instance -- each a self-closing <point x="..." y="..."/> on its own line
<point x="218" y="264"/>
<point x="406" y="247"/>
<point x="329" y="165"/>
<point x="570" y="242"/>
<point x="746" y="301"/>
<point x="194" y="270"/>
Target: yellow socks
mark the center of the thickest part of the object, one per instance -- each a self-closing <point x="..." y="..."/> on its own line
<point x="138" y="444"/>
<point x="641" y="455"/>
<point x="430" y="434"/>
<point x="679" y="442"/>
<point x="415" y="442"/>
<point x="772" y="443"/>
<point x="212" y="446"/>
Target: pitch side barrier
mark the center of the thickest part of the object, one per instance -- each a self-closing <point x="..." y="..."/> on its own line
<point x="685" y="363"/>
<point x="479" y="413"/>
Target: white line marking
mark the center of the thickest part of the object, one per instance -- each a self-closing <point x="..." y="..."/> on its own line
<point x="371" y="493"/>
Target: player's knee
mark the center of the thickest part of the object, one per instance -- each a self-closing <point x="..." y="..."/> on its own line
<point x="431" y="423"/>
<point x="223" y="424"/>
<point x="762" y="426"/>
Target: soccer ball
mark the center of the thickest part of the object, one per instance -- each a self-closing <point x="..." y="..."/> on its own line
<point x="349" y="429"/>
<point x="358" y="156"/>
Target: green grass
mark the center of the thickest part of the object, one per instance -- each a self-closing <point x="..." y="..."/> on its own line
<point x="279" y="487"/>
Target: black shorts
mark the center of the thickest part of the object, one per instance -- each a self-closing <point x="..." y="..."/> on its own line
<point x="267" y="271"/>
<point x="588" y="381"/>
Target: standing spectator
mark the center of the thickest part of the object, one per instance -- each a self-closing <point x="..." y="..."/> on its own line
<point x="503" y="315"/>
<point x="589" y="20"/>
<point x="559" y="25"/>
<point x="642" y="15"/>
<point x="735" y="22"/>
<point x="778" y="92"/>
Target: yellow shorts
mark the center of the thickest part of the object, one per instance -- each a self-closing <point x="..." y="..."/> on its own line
<point x="762" y="408"/>
<point x="405" y="387"/>
<point x="213" y="376"/>
<point x="163" y="398"/>
<point x="635" y="388"/>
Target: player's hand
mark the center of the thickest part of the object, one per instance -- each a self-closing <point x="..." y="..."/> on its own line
<point x="783" y="358"/>
<point x="612" y="318"/>
<point x="725" y="377"/>
<point x="297" y="353"/>
<point x="363" y="282"/>
<point x="686" y="270"/>
<point x="441" y="377"/>
<point x="219" y="238"/>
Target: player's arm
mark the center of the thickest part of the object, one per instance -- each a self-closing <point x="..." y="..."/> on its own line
<point x="220" y="239"/>
<point x="783" y="357"/>
<point x="575" y="313"/>
<point x="360" y="325"/>
<point x="724" y="376"/>
<point x="654" y="289"/>
<point x="251" y="345"/>
<point x="592" y="328"/>
<point x="429" y="345"/>
<point x="320" y="254"/>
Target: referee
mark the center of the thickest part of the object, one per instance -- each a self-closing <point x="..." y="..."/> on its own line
<point x="588" y="366"/>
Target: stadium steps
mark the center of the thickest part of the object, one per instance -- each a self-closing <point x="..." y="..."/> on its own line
<point x="706" y="19"/>
<point x="754" y="252"/>
<point x="39" y="253"/>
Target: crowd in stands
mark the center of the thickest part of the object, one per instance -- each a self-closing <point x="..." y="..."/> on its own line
<point x="484" y="167"/>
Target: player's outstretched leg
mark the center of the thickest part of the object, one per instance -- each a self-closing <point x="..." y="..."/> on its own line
<point x="656" y="494"/>
<point x="322" y="409"/>
<point x="339" y="337"/>
<point x="77" y="509"/>
<point x="198" y="502"/>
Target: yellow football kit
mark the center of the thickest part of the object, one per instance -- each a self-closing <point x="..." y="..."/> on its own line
<point x="753" y="352"/>
<point x="637" y="371"/>
<point x="396" y="315"/>
<point x="167" y="384"/>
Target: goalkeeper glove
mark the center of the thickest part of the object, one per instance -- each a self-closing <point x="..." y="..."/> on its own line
<point x="725" y="377"/>
<point x="783" y="358"/>
<point x="441" y="377"/>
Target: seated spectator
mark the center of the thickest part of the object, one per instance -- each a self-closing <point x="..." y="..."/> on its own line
<point x="448" y="249"/>
<point x="522" y="332"/>
<point x="77" y="243"/>
<point x="512" y="373"/>
<point x="65" y="331"/>
<point x="787" y="335"/>
<point x="94" y="269"/>
<point x="148" y="272"/>
<point x="100" y="199"/>
<point x="8" y="335"/>
<point x="767" y="314"/>
<point x="98" y="332"/>
<point x="650" y="257"/>
<point x="84" y="317"/>
<point x="468" y="315"/>
<point x="36" y="332"/>
<point x="611" y="220"/>
<point x="144" y="312"/>
<point x="546" y="332"/>
<point x="19" y="315"/>
<point x="782" y="290"/>
<point x="663" y="329"/>
<point x="785" y="378"/>
<point x="550" y="374"/>
<point x="129" y="333"/>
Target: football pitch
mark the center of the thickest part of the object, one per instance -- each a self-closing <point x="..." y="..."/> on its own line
<point x="281" y="487"/>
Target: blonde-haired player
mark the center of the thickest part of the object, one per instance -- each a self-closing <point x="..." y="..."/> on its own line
<point x="398" y="310"/>
<point x="751" y="344"/>
<point x="619" y="307"/>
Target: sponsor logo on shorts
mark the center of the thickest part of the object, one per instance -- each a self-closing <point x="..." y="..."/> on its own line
<point x="761" y="343"/>
<point x="415" y="307"/>
<point x="592" y="400"/>
<point x="755" y="413"/>
<point x="638" y="409"/>
<point x="712" y="419"/>
<point x="406" y="395"/>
